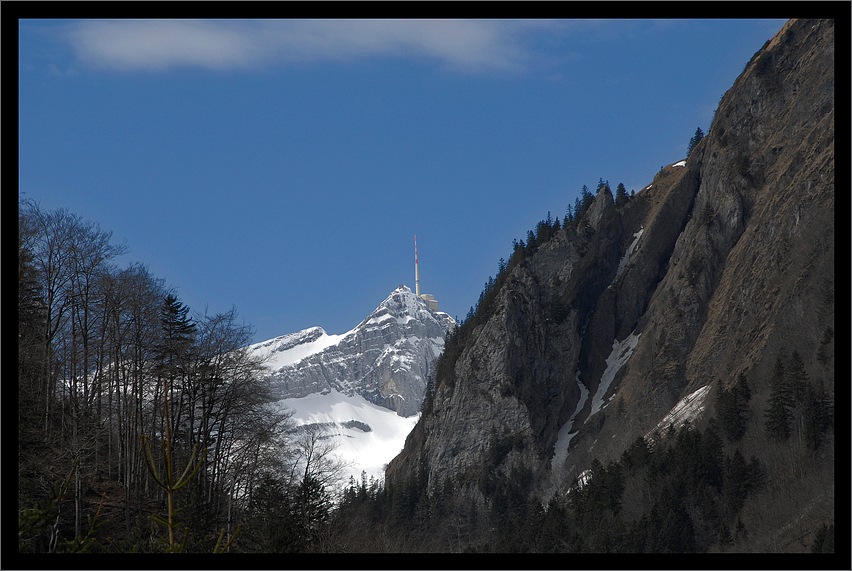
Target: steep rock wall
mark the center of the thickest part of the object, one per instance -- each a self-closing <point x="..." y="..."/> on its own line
<point x="714" y="267"/>
<point x="751" y="273"/>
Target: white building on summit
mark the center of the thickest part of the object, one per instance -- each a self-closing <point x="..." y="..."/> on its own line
<point x="428" y="298"/>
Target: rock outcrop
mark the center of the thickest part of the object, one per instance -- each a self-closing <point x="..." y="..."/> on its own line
<point x="602" y="205"/>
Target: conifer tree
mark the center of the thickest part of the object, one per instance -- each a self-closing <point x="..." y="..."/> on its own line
<point x="428" y="396"/>
<point x="696" y="138"/>
<point x="779" y="416"/>
<point x="173" y="356"/>
<point x="621" y="197"/>
<point x="312" y="508"/>
<point x="269" y="528"/>
<point x="818" y="414"/>
<point x="798" y="377"/>
<point x="732" y="408"/>
<point x="824" y="352"/>
<point x="569" y="216"/>
<point x="178" y="333"/>
<point x="582" y="203"/>
<point x="532" y="244"/>
<point x="735" y="481"/>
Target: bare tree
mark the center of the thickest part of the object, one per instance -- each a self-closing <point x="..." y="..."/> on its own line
<point x="315" y="458"/>
<point x="95" y="342"/>
<point x="70" y="256"/>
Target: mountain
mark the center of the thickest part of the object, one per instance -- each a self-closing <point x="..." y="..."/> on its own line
<point x="645" y="315"/>
<point x="386" y="358"/>
<point x="362" y="388"/>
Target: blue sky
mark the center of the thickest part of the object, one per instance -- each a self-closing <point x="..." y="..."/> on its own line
<point x="284" y="167"/>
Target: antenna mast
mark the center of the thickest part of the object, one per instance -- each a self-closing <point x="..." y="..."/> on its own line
<point x="416" y="269"/>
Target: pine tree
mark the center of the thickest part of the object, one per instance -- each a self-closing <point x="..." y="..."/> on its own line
<point x="735" y="481"/>
<point x="732" y="408"/>
<point x="582" y="203"/>
<point x="32" y="397"/>
<point x="699" y="134"/>
<point x="172" y="363"/>
<point x="569" y="216"/>
<point x="312" y="508"/>
<point x="824" y="352"/>
<point x="798" y="377"/>
<point x="532" y="244"/>
<point x="428" y="398"/>
<point x="178" y="333"/>
<point x="269" y="528"/>
<point x="740" y="532"/>
<point x="636" y="455"/>
<point x="588" y="198"/>
<point x="621" y="197"/>
<point x="779" y="415"/>
<point x="818" y="414"/>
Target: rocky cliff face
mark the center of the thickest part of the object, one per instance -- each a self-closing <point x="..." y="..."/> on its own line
<point x="386" y="358"/>
<point x="720" y="263"/>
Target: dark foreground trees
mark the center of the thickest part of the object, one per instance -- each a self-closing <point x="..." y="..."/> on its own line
<point x="103" y="352"/>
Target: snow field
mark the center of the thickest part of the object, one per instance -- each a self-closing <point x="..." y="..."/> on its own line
<point x="368" y="451"/>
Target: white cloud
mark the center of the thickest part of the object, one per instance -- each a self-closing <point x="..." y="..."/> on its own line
<point x="460" y="45"/>
<point x="155" y="45"/>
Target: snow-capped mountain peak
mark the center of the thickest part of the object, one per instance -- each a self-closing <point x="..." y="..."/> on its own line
<point x="404" y="305"/>
<point x="386" y="358"/>
<point x="364" y="387"/>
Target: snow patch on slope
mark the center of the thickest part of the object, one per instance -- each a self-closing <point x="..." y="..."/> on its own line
<point x="625" y="259"/>
<point x="621" y="353"/>
<point x="290" y="349"/>
<point x="365" y="450"/>
<point x="564" y="436"/>
<point x="689" y="408"/>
